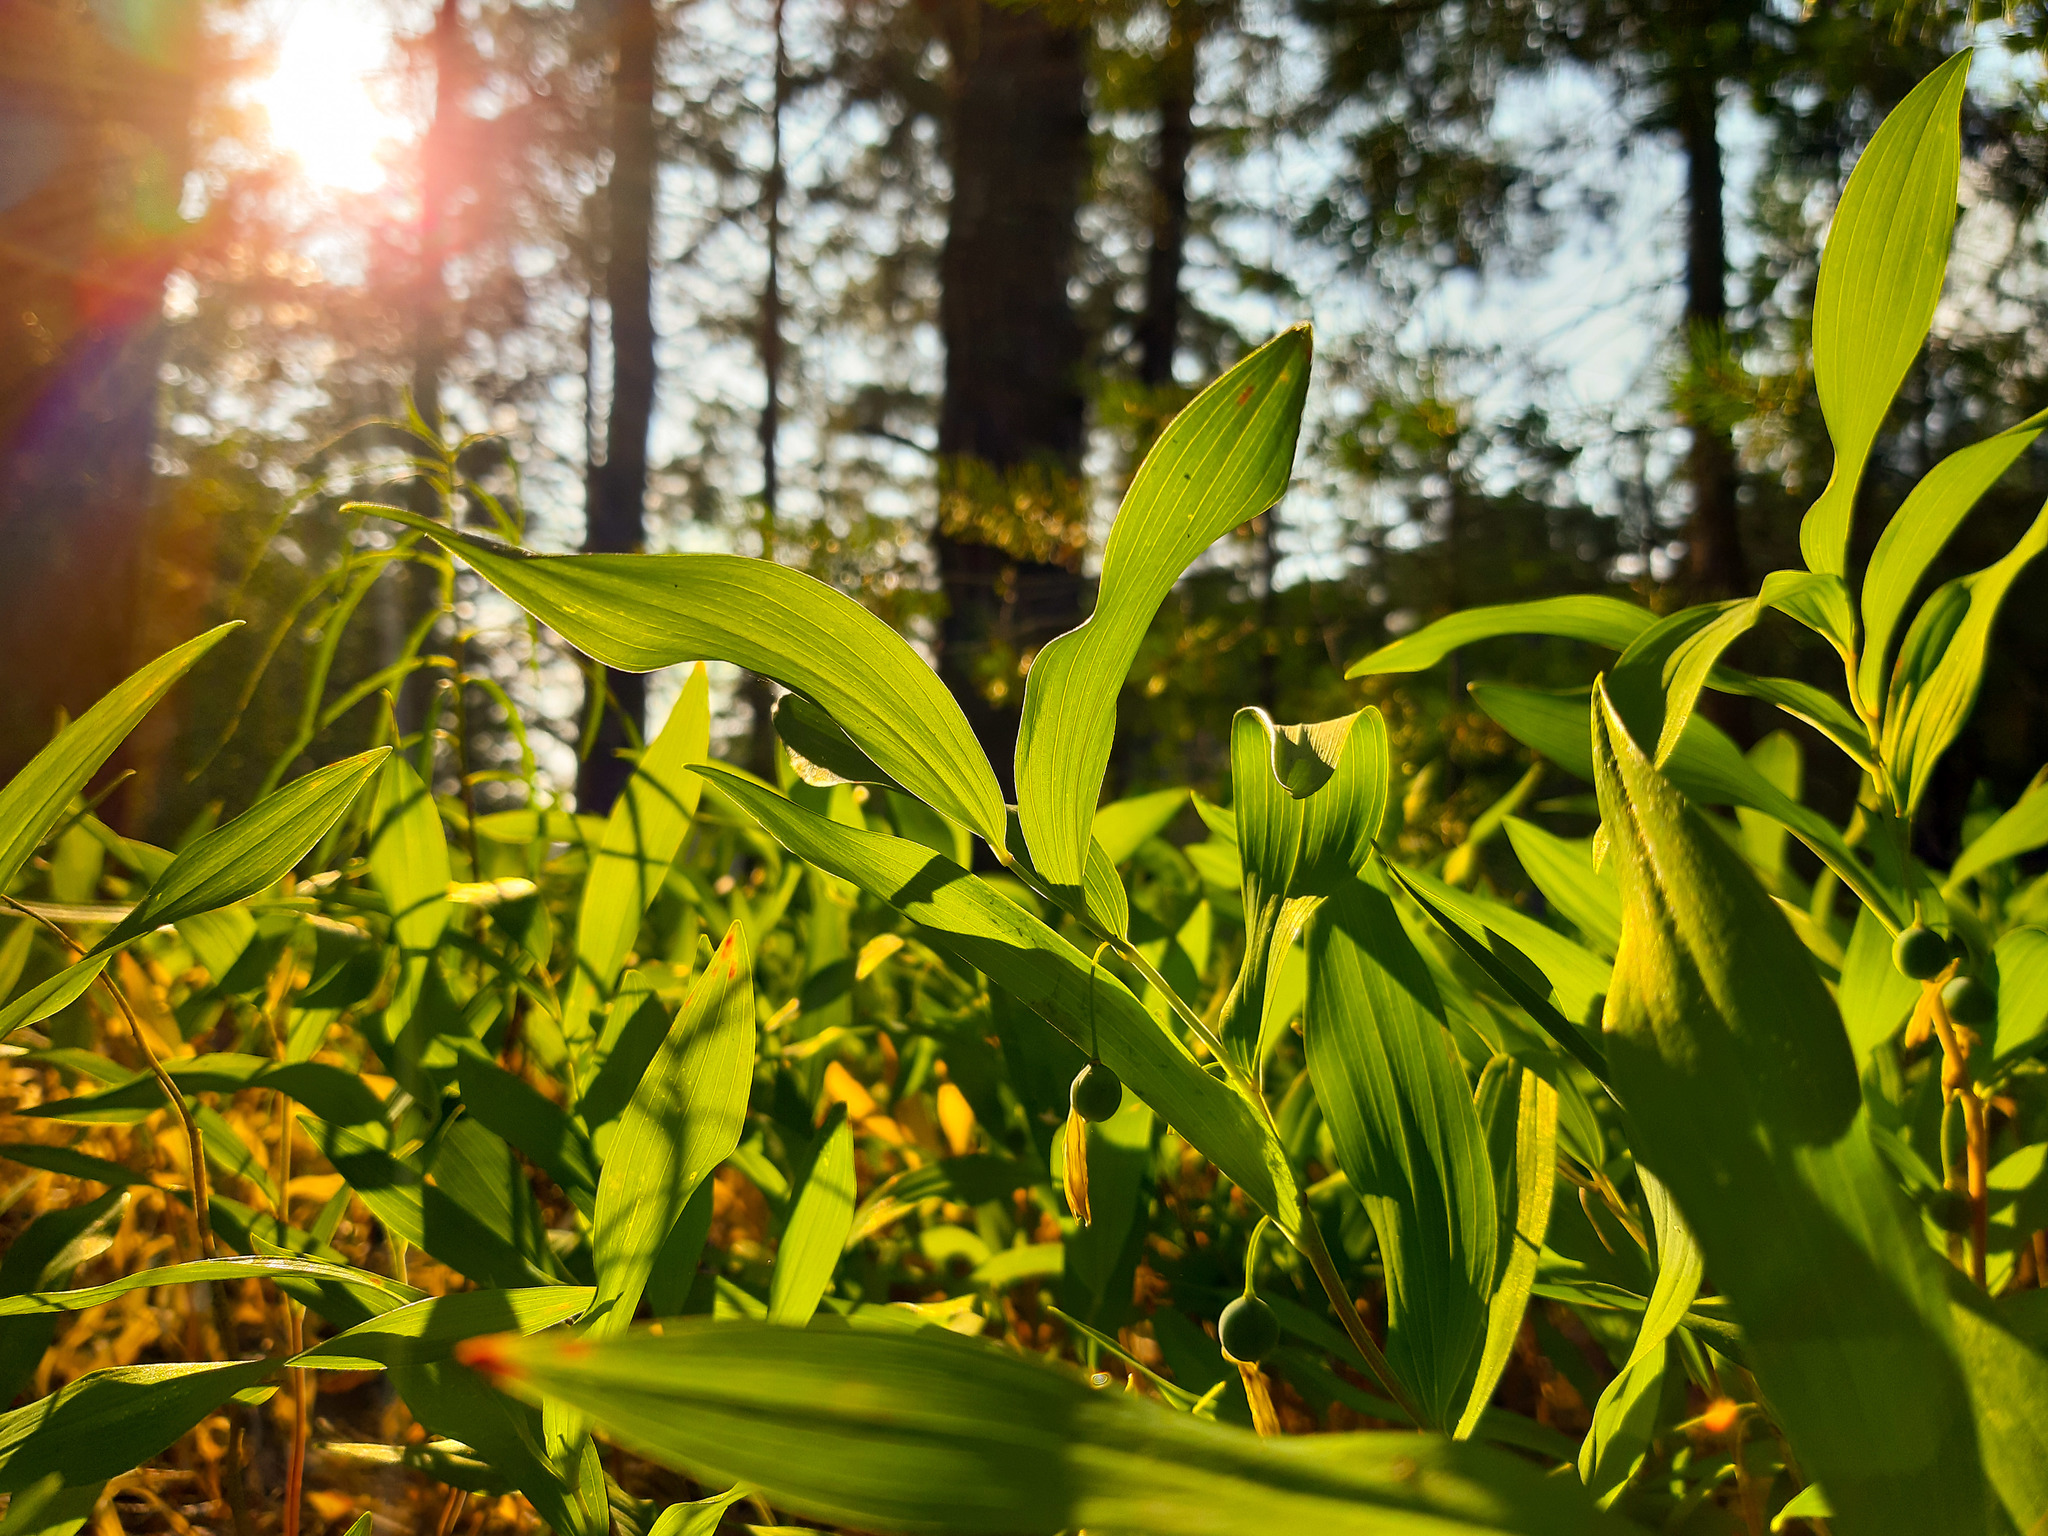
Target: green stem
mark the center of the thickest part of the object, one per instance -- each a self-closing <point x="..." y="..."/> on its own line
<point x="1310" y="1242"/>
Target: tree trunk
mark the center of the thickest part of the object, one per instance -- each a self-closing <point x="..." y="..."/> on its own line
<point x="615" y="520"/>
<point x="1714" y="540"/>
<point x="1013" y="516"/>
<point x="1159" y="324"/>
<point x="760" y="694"/>
<point x="89" y="229"/>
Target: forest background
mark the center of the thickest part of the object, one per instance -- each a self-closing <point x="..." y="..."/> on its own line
<point x="898" y="291"/>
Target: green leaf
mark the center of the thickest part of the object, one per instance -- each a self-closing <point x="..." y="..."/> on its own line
<point x="1219" y="464"/>
<point x="429" y="1328"/>
<point x="1308" y="803"/>
<point x="508" y="1436"/>
<point x="818" y="1226"/>
<point x="965" y="918"/>
<point x="1524" y="1200"/>
<point x="2020" y="830"/>
<point x="474" y="1239"/>
<point x="699" y="1517"/>
<point x="409" y="857"/>
<point x="926" y="1433"/>
<point x="111" y="1421"/>
<point x="48" y="1508"/>
<point x="641" y="839"/>
<point x="2008" y="1377"/>
<point x="639" y="612"/>
<point x="1122" y="826"/>
<point x="1716" y="1003"/>
<point x="1580" y="976"/>
<point x="236" y="1268"/>
<point x="528" y="1120"/>
<point x="1407" y="1136"/>
<point x="1880" y="280"/>
<point x="1942" y="664"/>
<point x="2022" y="958"/>
<point x="683" y="1121"/>
<point x="1918" y="532"/>
<point x="1626" y="1413"/>
<point x="1658" y="679"/>
<point x="1706" y="766"/>
<point x="249" y="854"/>
<point x="1596" y="620"/>
<point x="1564" y="873"/>
<point x="820" y="752"/>
<point x="37" y="797"/>
<point x="51" y="995"/>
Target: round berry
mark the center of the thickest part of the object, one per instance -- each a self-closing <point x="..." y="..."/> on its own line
<point x="1248" y="1330"/>
<point x="1096" y="1094"/>
<point x="1920" y="952"/>
<point x="1969" y="1001"/>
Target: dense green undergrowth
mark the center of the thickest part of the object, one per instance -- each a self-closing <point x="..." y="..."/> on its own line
<point x="872" y="1151"/>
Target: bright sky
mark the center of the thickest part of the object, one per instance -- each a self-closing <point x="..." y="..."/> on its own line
<point x="328" y="102"/>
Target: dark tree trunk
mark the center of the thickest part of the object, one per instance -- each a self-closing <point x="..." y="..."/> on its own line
<point x="1159" y="324"/>
<point x="1714" y="541"/>
<point x="616" y="495"/>
<point x="407" y="594"/>
<point x="1012" y="520"/>
<point x="759" y="692"/>
<point x="95" y="141"/>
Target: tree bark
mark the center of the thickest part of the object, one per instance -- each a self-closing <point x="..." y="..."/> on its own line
<point x="1159" y="325"/>
<point x="616" y="492"/>
<point x="760" y="694"/>
<point x="1012" y="523"/>
<point x="1714" y="540"/>
<point x="98" y="140"/>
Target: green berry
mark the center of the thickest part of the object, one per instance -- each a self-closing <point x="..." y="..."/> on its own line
<point x="1096" y="1094"/>
<point x="1248" y="1330"/>
<point x="1969" y="1001"/>
<point x="1920" y="952"/>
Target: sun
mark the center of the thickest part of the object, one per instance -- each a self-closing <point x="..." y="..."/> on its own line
<point x="323" y="99"/>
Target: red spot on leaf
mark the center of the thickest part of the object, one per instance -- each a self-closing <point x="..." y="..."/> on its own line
<point x="486" y="1356"/>
<point x="1248" y="391"/>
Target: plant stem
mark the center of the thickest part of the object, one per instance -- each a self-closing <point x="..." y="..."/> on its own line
<point x="1310" y="1242"/>
<point x="1956" y="1078"/>
<point x="1194" y="1021"/>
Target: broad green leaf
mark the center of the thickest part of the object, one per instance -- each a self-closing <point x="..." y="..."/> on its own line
<point x="1526" y="1209"/>
<point x="528" y="1120"/>
<point x="820" y="752"/>
<point x="1564" y="873"/>
<point x="2020" y="830"/>
<point x="640" y="612"/>
<point x="969" y="920"/>
<point x="37" y="797"/>
<point x="818" y="1226"/>
<point x="1606" y="621"/>
<point x="1308" y="803"/>
<point x="52" y="994"/>
<point x="2022" y="958"/>
<point x="683" y="1121"/>
<point x="1625" y="1416"/>
<point x="1123" y="825"/>
<point x="1880" y="280"/>
<point x="429" y="1328"/>
<point x="1657" y="680"/>
<point x="48" y="1508"/>
<point x="1875" y="998"/>
<point x="111" y="1421"/>
<point x="1715" y="1002"/>
<point x="630" y="862"/>
<point x="1936" y="682"/>
<point x="409" y="857"/>
<point x="1705" y="766"/>
<point x="236" y="1268"/>
<point x="1917" y="533"/>
<point x="2008" y="1377"/>
<point x="1407" y="1137"/>
<point x="472" y="1240"/>
<point x="249" y="854"/>
<point x="926" y="1433"/>
<point x="1808" y="705"/>
<point x="1220" y="463"/>
<point x="1580" y="976"/>
<point x="699" y="1517"/>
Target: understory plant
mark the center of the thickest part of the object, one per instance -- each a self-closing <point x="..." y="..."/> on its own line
<point x="876" y="1151"/>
